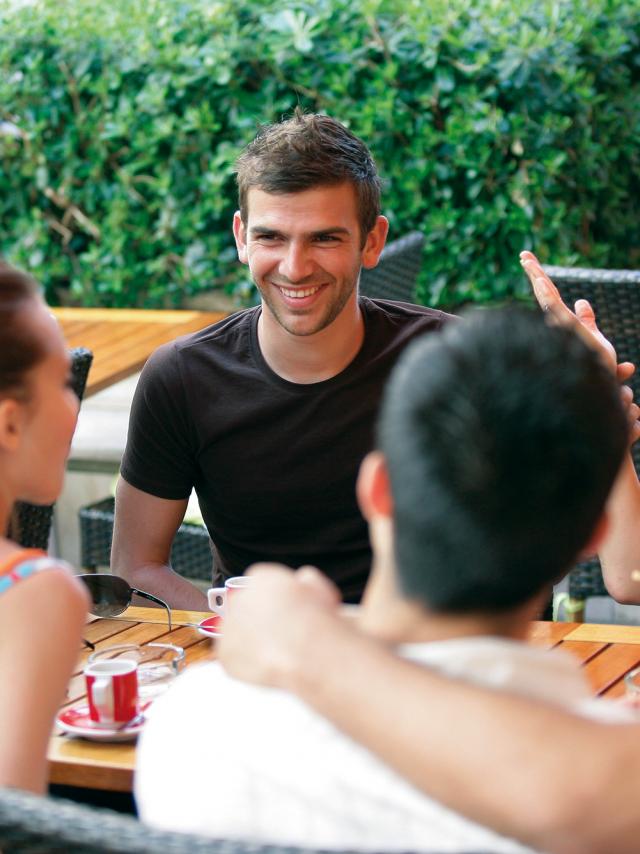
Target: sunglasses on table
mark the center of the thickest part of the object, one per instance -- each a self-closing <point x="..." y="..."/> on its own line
<point x="111" y="595"/>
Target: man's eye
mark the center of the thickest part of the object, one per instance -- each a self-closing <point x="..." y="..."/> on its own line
<point x="326" y="238"/>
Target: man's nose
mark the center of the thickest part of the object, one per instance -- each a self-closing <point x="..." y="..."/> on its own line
<point x="296" y="265"/>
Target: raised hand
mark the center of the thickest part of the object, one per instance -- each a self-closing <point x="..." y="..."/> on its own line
<point x="583" y="320"/>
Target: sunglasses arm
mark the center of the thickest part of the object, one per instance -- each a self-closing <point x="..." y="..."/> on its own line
<point x="156" y="600"/>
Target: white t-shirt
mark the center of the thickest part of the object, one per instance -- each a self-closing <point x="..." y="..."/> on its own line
<point x="232" y="760"/>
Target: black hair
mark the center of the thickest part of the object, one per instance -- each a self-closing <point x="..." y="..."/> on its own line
<point x="503" y="437"/>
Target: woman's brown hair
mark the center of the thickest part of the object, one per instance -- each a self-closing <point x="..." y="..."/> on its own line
<point x="20" y="349"/>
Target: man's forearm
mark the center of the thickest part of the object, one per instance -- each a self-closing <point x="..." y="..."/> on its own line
<point x="143" y="531"/>
<point x="620" y="552"/>
<point x="531" y="771"/>
<point x="548" y="778"/>
<point x="162" y="581"/>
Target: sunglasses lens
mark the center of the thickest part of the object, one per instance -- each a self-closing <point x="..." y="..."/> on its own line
<point x="110" y="594"/>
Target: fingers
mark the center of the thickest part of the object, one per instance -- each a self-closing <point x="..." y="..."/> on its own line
<point x="586" y="315"/>
<point x="587" y="327"/>
<point x="634" y="423"/>
<point x="323" y="589"/>
<point x="626" y="394"/>
<point x="559" y="313"/>
<point x="269" y="627"/>
<point x="583" y="322"/>
<point x="315" y="584"/>
<point x="633" y="413"/>
<point x="545" y="291"/>
<point x="625" y="370"/>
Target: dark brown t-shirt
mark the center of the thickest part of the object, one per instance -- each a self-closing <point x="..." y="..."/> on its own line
<point x="274" y="463"/>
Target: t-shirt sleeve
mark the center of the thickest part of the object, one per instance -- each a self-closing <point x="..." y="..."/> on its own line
<point x="159" y="457"/>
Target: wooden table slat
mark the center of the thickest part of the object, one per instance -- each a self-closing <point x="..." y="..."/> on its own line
<point x="606" y="669"/>
<point x="101" y="630"/>
<point x="584" y="651"/>
<point x="123" y="339"/>
<point x="547" y="634"/>
<point x="606" y="633"/>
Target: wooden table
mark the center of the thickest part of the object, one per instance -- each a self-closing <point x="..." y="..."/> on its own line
<point x="606" y="653"/>
<point x="94" y="765"/>
<point x="122" y="339"/>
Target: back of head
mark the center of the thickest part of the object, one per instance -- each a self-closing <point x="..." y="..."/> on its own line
<point x="503" y="437"/>
<point x="20" y="349"/>
<point x="308" y="151"/>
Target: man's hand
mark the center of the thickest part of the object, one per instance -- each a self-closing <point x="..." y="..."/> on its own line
<point x="269" y="625"/>
<point x="583" y="321"/>
<point x="584" y="324"/>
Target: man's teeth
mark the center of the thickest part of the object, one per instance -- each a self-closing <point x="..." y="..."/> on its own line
<point x="299" y="293"/>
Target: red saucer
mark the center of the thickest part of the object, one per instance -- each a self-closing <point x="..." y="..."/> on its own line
<point x="211" y="626"/>
<point x="76" y="721"/>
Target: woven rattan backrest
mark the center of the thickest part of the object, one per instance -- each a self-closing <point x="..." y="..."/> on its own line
<point x="397" y="271"/>
<point x="34" y="825"/>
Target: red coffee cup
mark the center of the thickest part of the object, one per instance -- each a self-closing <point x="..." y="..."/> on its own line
<point x="112" y="691"/>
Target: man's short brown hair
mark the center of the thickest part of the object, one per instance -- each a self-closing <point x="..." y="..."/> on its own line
<point x="308" y="151"/>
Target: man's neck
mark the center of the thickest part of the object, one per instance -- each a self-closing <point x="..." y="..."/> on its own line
<point x="313" y="358"/>
<point x="393" y="619"/>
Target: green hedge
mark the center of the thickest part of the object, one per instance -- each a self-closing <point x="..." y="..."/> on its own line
<point x="497" y="127"/>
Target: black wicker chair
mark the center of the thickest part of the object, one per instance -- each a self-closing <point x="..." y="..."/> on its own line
<point x="615" y="297"/>
<point x="191" y="554"/>
<point x="29" y="823"/>
<point x="397" y="270"/>
<point x="31" y="523"/>
<point x="34" y="825"/>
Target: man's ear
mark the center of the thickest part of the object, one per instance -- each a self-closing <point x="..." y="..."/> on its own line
<point x="374" y="243"/>
<point x="373" y="487"/>
<point x="597" y="537"/>
<point x="240" y="234"/>
<point x="12" y="415"/>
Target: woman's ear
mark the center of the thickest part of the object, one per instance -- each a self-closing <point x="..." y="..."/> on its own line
<point x="12" y="417"/>
<point x="373" y="487"/>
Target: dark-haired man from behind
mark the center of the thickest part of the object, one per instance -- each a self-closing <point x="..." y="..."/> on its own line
<point x="269" y="413"/>
<point x="493" y="436"/>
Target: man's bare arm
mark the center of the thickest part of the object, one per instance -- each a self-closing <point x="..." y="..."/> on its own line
<point x="620" y="551"/>
<point x="144" y="529"/>
<point x="548" y="778"/>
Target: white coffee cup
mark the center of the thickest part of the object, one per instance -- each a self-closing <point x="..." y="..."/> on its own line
<point x="217" y="596"/>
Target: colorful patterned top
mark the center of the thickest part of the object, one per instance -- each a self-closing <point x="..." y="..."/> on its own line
<point x="22" y="564"/>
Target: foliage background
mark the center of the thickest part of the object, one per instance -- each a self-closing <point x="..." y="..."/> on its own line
<point x="496" y="126"/>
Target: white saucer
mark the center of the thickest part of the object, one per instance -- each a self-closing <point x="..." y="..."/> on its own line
<point x="211" y="627"/>
<point x="76" y="721"/>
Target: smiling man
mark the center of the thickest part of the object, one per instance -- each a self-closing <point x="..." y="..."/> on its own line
<point x="269" y="413"/>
